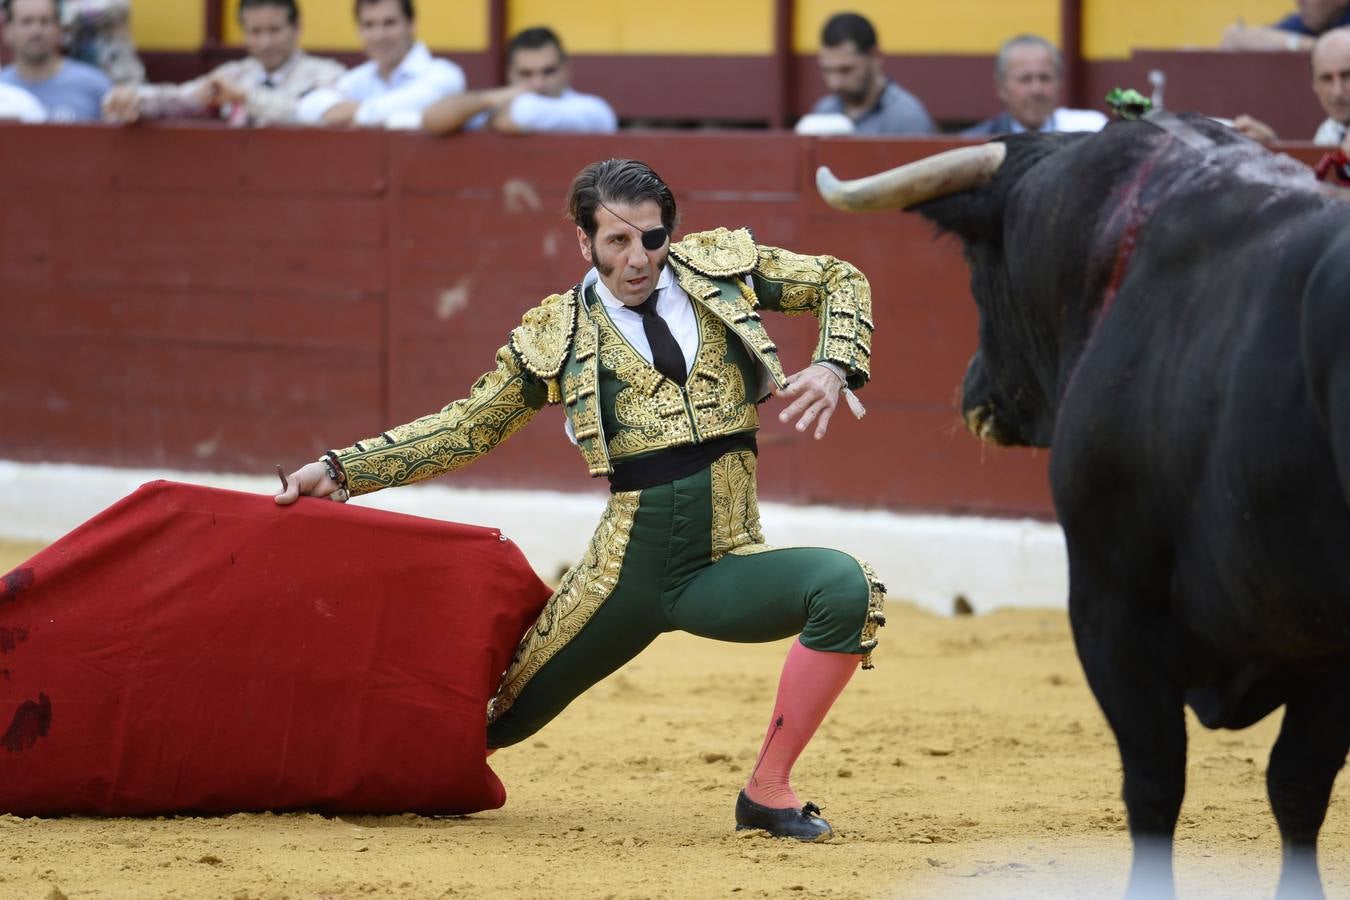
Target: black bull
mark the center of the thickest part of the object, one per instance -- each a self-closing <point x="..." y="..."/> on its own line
<point x="1167" y="306"/>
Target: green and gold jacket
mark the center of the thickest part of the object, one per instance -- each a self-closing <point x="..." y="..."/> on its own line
<point x="566" y="352"/>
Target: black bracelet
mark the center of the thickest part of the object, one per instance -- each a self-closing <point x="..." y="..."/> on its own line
<point x="334" y="468"/>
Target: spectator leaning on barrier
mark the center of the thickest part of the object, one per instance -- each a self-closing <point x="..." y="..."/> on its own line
<point x="1027" y="78"/>
<point x="98" y="32"/>
<point x="265" y="88"/>
<point x="1295" y="31"/>
<point x="400" y="79"/>
<point x="18" y="105"/>
<point x="538" y="95"/>
<point x="851" y="65"/>
<point x="1330" y="61"/>
<point x="70" y="91"/>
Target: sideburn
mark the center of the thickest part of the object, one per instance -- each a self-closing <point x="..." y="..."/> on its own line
<point x="604" y="268"/>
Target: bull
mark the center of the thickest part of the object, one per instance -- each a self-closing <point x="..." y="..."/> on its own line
<point x="1166" y="305"/>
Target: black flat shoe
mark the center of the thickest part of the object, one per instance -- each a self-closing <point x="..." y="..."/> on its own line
<point x="804" y="824"/>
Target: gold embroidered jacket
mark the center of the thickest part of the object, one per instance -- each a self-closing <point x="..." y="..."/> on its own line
<point x="554" y="356"/>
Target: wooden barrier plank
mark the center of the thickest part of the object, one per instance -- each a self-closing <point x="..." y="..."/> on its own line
<point x="60" y="158"/>
<point x="210" y="317"/>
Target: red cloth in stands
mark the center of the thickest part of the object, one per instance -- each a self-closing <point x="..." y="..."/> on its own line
<point x="191" y="649"/>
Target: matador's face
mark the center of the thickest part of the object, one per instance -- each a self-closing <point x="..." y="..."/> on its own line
<point x="626" y="267"/>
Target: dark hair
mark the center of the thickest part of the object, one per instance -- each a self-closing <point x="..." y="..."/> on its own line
<point x="407" y="6"/>
<point x="5" y="8"/>
<point x="844" y="27"/>
<point x="533" y="39"/>
<point x="292" y="11"/>
<point x="618" y="181"/>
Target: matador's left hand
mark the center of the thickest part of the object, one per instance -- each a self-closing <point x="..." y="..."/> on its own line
<point x="816" y="390"/>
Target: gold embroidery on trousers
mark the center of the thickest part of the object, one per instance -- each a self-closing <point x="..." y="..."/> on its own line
<point x="876" y="612"/>
<point x="735" y="507"/>
<point x="583" y="590"/>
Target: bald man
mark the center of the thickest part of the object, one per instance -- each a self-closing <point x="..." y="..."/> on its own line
<point x="1330" y="82"/>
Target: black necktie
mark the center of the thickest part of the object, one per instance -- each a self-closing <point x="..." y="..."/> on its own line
<point x="666" y="353"/>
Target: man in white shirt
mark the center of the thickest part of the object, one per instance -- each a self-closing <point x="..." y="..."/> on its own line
<point x="538" y="95"/>
<point x="1331" y="83"/>
<point x="263" y="89"/>
<point x="1027" y="78"/>
<point x="400" y="80"/>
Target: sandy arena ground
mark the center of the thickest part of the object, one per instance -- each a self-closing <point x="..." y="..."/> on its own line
<point x="972" y="762"/>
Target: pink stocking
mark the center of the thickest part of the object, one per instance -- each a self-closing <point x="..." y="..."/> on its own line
<point x="808" y="687"/>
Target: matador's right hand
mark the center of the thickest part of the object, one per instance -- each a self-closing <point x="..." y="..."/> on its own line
<point x="309" y="480"/>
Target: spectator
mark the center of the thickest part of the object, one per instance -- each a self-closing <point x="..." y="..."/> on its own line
<point x="538" y="95"/>
<point x="16" y="104"/>
<point x="98" y="32"/>
<point x="1295" y="31"/>
<point x="850" y="63"/>
<point x="263" y="89"/>
<point x="1330" y="82"/>
<point x="400" y="80"/>
<point x="1027" y="77"/>
<point x="70" y="91"/>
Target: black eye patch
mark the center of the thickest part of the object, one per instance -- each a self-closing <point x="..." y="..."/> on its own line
<point x="655" y="238"/>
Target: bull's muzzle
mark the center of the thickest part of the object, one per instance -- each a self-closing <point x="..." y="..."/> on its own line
<point x="980" y="422"/>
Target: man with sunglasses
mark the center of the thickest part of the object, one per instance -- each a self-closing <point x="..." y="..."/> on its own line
<point x="660" y="359"/>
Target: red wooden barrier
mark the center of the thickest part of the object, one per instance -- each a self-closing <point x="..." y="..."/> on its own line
<point x="219" y="300"/>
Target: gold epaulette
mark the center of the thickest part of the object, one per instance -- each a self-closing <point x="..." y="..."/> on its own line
<point x="720" y="253"/>
<point x="544" y="335"/>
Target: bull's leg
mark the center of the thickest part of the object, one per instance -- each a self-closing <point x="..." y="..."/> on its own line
<point x="1311" y="749"/>
<point x="1129" y="661"/>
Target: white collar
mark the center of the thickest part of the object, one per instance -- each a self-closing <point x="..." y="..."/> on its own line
<point x="414" y="63"/>
<point x="282" y="71"/>
<point x="614" y="303"/>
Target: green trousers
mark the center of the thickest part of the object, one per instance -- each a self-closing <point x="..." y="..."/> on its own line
<point x="686" y="556"/>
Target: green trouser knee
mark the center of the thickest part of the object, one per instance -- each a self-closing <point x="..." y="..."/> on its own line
<point x="669" y="581"/>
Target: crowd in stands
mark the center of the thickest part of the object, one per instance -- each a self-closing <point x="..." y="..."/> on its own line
<point x="73" y="61"/>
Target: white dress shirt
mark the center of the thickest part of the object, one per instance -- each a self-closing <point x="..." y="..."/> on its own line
<point x="1330" y="134"/>
<point x="573" y="111"/>
<point x="416" y="83"/>
<point x="672" y="304"/>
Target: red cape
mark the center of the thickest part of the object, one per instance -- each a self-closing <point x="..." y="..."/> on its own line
<point x="197" y="650"/>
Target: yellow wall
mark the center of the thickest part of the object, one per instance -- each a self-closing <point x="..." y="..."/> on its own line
<point x="690" y="27"/>
<point x="168" y="24"/>
<point x="1111" y="30"/>
<point x="328" y="24"/>
<point x="934" y="27"/>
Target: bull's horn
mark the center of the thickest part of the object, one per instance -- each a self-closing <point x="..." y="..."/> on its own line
<point x="949" y="172"/>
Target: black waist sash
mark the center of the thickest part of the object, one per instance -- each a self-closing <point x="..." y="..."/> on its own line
<point x="668" y="465"/>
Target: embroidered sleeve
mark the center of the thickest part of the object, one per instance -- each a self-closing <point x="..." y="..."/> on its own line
<point x="833" y="291"/>
<point x="500" y="404"/>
